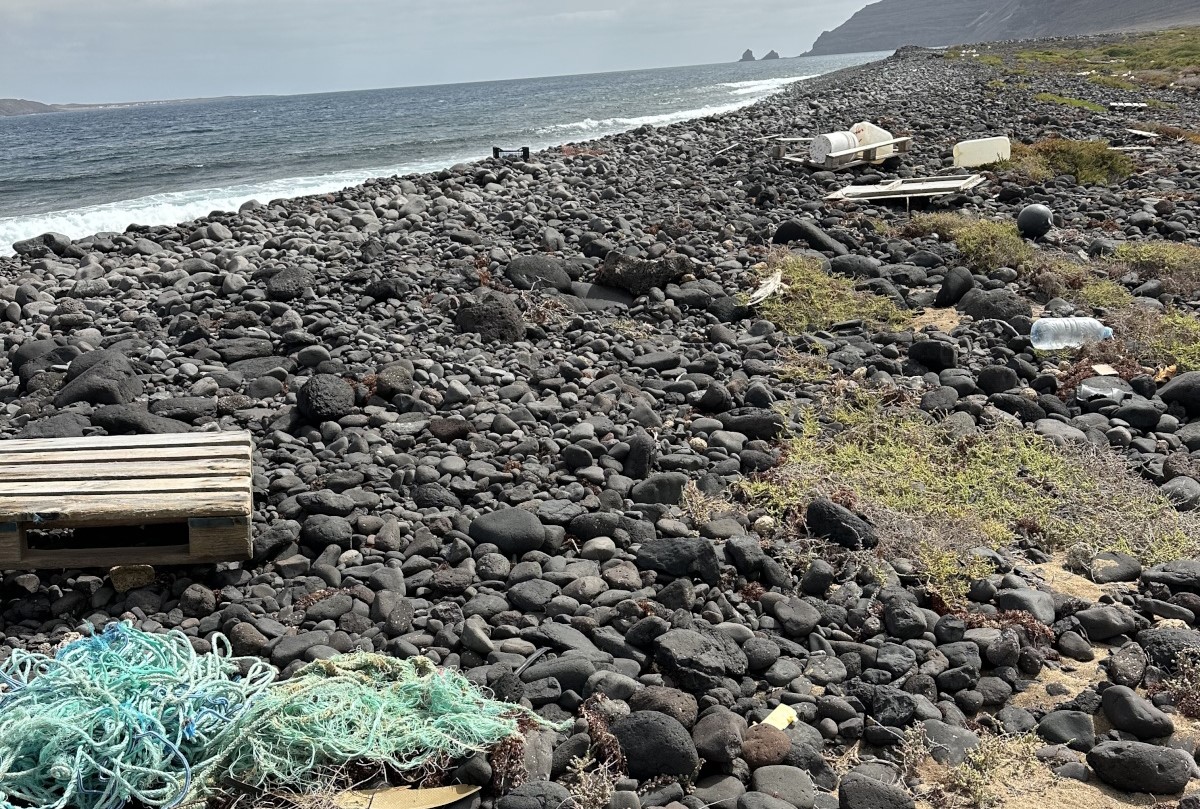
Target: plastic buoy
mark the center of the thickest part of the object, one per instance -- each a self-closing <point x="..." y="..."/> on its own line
<point x="1035" y="221"/>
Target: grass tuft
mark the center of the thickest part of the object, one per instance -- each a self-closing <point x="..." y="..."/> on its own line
<point x="1176" y="265"/>
<point x="1103" y="294"/>
<point x="812" y="299"/>
<point x="1112" y="82"/>
<point x="993" y="770"/>
<point x="985" y="244"/>
<point x="920" y="484"/>
<point x="1090" y="162"/>
<point x="1067" y="101"/>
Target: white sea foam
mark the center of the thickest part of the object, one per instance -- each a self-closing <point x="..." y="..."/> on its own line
<point x="183" y="206"/>
<point x="762" y="87"/>
<point x="751" y="92"/>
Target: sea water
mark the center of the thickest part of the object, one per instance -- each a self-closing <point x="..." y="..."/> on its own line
<point x="93" y="170"/>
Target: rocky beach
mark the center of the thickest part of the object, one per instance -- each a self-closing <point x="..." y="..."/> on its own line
<point x="520" y="417"/>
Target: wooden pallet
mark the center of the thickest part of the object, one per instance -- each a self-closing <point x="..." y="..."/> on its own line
<point x="198" y="482"/>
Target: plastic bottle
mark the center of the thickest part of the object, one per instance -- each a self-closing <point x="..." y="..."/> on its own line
<point x="1051" y="333"/>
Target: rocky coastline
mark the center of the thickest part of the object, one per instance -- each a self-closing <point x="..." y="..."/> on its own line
<point x="503" y="413"/>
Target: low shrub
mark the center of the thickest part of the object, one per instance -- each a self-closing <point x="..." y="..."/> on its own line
<point x="1090" y="162"/>
<point x="928" y="491"/>
<point x="1176" y="264"/>
<point x="985" y="244"/>
<point x="811" y="299"/>
<point x="1066" y="101"/>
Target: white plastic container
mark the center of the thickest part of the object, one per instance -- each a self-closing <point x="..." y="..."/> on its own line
<point x="1052" y="333"/>
<point x="825" y="145"/>
<point x="868" y="133"/>
<point x="981" y="152"/>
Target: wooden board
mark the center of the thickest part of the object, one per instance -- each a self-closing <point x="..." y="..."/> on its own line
<point x="914" y="187"/>
<point x="202" y="480"/>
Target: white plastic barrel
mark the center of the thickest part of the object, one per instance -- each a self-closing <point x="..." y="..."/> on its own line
<point x="981" y="152"/>
<point x="825" y="145"/>
<point x="867" y="134"/>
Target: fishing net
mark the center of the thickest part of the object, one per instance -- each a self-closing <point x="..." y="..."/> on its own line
<point x="126" y="715"/>
<point x="117" y="716"/>
<point x="405" y="715"/>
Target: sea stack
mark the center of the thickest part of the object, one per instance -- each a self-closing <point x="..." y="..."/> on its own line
<point x="771" y="55"/>
<point x="748" y="56"/>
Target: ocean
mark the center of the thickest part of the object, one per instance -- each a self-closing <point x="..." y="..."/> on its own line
<point x="87" y="171"/>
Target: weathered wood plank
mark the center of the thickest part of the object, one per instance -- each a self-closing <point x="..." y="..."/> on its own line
<point x="219" y="540"/>
<point x="129" y="454"/>
<point x="108" y="470"/>
<point x="68" y="487"/>
<point x="107" y="442"/>
<point x="127" y="509"/>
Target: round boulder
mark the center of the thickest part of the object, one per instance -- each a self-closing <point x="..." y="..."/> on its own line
<point x="655" y="744"/>
<point x="325" y="397"/>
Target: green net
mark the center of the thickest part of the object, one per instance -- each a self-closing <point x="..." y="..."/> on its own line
<point x="118" y="716"/>
<point x="407" y="715"/>
<point x="126" y="715"/>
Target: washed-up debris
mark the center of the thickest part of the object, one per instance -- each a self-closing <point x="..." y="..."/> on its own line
<point x="981" y="152"/>
<point x="126" y="715"/>
<point x="1035" y="221"/>
<point x="500" y="153"/>
<point x="404" y="798"/>
<point x="771" y="286"/>
<point x="911" y="187"/>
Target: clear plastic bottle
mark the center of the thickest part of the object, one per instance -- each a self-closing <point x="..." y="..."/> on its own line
<point x="1052" y="333"/>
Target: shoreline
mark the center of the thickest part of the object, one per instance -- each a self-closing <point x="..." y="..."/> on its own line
<point x="182" y="198"/>
<point x="506" y="415"/>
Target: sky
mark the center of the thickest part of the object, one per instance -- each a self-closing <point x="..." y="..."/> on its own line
<point x="92" y="51"/>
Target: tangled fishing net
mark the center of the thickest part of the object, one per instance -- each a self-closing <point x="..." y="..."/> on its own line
<point x="126" y="715"/>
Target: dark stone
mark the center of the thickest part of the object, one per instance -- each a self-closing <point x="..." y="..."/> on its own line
<point x="956" y="284"/>
<point x="655" y="745"/>
<point x="638" y="276"/>
<point x="514" y="531"/>
<point x="806" y="230"/>
<point x="1072" y="728"/>
<point x="538" y="272"/>
<point x="325" y="397"/>
<point x="936" y="355"/>
<point x="857" y="791"/>
<point x="1141" y="767"/>
<point x="827" y="519"/>
<point x="681" y="557"/>
<point x="1128" y="711"/>
<point x="495" y="318"/>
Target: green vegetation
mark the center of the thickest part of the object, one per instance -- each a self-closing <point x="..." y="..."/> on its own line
<point x="805" y="368"/>
<point x="1066" y="101"/>
<point x="990" y="59"/>
<point x="984" y="244"/>
<point x="1090" y="162"/>
<point x="998" y="767"/>
<point x="1160" y="59"/>
<point x="1176" y="264"/>
<point x="930" y="493"/>
<point x="1103" y="294"/>
<point x="1113" y="82"/>
<point x="1170" y="337"/>
<point x="811" y="299"/>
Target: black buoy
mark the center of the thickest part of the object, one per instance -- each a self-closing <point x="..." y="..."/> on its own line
<point x="1035" y="221"/>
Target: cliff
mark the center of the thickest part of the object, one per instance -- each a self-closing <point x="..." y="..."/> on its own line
<point x="889" y="24"/>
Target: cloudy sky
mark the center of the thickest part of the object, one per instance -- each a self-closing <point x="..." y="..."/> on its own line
<point x="130" y="50"/>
